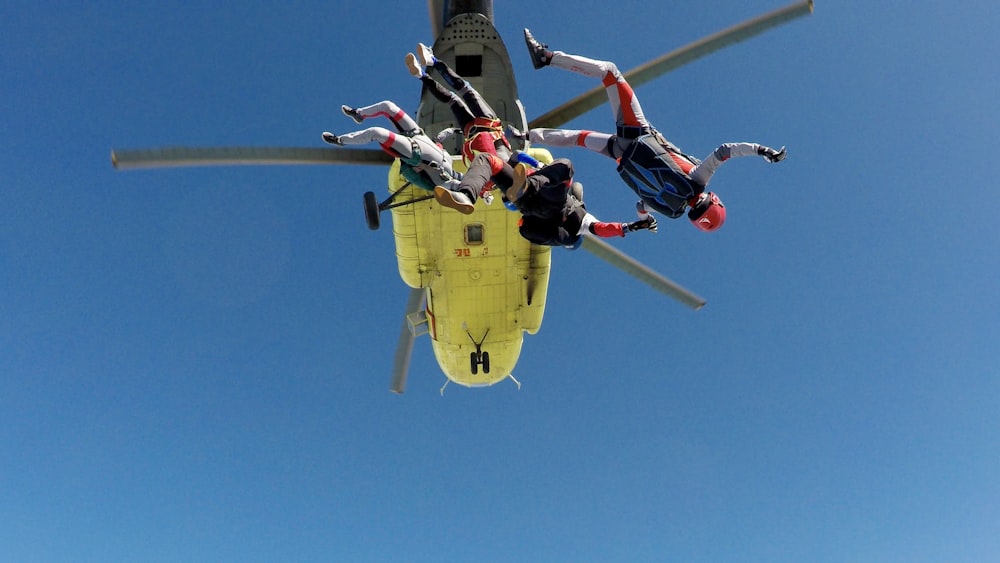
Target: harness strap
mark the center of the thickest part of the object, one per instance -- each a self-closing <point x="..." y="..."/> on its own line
<point x="484" y="124"/>
<point x="633" y="131"/>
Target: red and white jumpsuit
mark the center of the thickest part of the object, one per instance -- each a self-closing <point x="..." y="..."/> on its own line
<point x="411" y="145"/>
<point x="630" y="121"/>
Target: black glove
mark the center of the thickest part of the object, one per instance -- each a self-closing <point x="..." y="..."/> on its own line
<point x="772" y="155"/>
<point x="647" y="223"/>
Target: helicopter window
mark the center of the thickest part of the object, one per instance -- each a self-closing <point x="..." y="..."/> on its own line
<point x="469" y="65"/>
<point x="474" y="233"/>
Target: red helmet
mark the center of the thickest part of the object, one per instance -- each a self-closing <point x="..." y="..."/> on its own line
<point x="707" y="212"/>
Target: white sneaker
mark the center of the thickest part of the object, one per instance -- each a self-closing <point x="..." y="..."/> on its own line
<point x="413" y="66"/>
<point x="425" y="54"/>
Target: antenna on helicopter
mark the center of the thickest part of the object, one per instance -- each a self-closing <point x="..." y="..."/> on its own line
<point x="515" y="381"/>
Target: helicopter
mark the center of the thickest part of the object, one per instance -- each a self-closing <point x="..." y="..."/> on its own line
<point x="476" y="286"/>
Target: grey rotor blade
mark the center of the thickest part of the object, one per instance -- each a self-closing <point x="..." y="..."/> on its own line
<point x="218" y="156"/>
<point x="640" y="271"/>
<point x="436" y="10"/>
<point x="672" y="60"/>
<point x="401" y="363"/>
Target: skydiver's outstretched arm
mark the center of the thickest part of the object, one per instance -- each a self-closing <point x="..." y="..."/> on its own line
<point x="591" y="226"/>
<point x="703" y="172"/>
<point x="604" y="229"/>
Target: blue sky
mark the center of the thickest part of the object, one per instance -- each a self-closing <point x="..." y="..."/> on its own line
<point x="194" y="364"/>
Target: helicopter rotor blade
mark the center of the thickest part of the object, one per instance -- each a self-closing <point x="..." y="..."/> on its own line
<point x="219" y="156"/>
<point x="640" y="271"/>
<point x="436" y="10"/>
<point x="672" y="60"/>
<point x="401" y="363"/>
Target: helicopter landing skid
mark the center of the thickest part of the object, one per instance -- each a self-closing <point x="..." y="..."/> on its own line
<point x="373" y="207"/>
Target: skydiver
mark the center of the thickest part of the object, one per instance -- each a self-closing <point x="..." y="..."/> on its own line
<point x="479" y="123"/>
<point x="422" y="160"/>
<point x="667" y="180"/>
<point x="551" y="205"/>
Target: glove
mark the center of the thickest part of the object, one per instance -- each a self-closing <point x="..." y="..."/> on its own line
<point x="647" y="223"/>
<point x="446" y="134"/>
<point x="772" y="155"/>
<point x="516" y="133"/>
<point x="487" y="195"/>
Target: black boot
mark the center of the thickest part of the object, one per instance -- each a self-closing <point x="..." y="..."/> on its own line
<point x="540" y="55"/>
<point x="352" y="113"/>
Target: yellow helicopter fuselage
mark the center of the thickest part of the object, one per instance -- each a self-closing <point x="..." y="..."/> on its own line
<point x="484" y="283"/>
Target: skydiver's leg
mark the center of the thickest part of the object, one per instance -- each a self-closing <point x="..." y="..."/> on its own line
<point x="388" y="109"/>
<point x="396" y="145"/>
<point x="601" y="143"/>
<point x="461" y="111"/>
<point x="624" y="104"/>
<point x="472" y="98"/>
<point x="504" y="176"/>
<point x="484" y="168"/>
